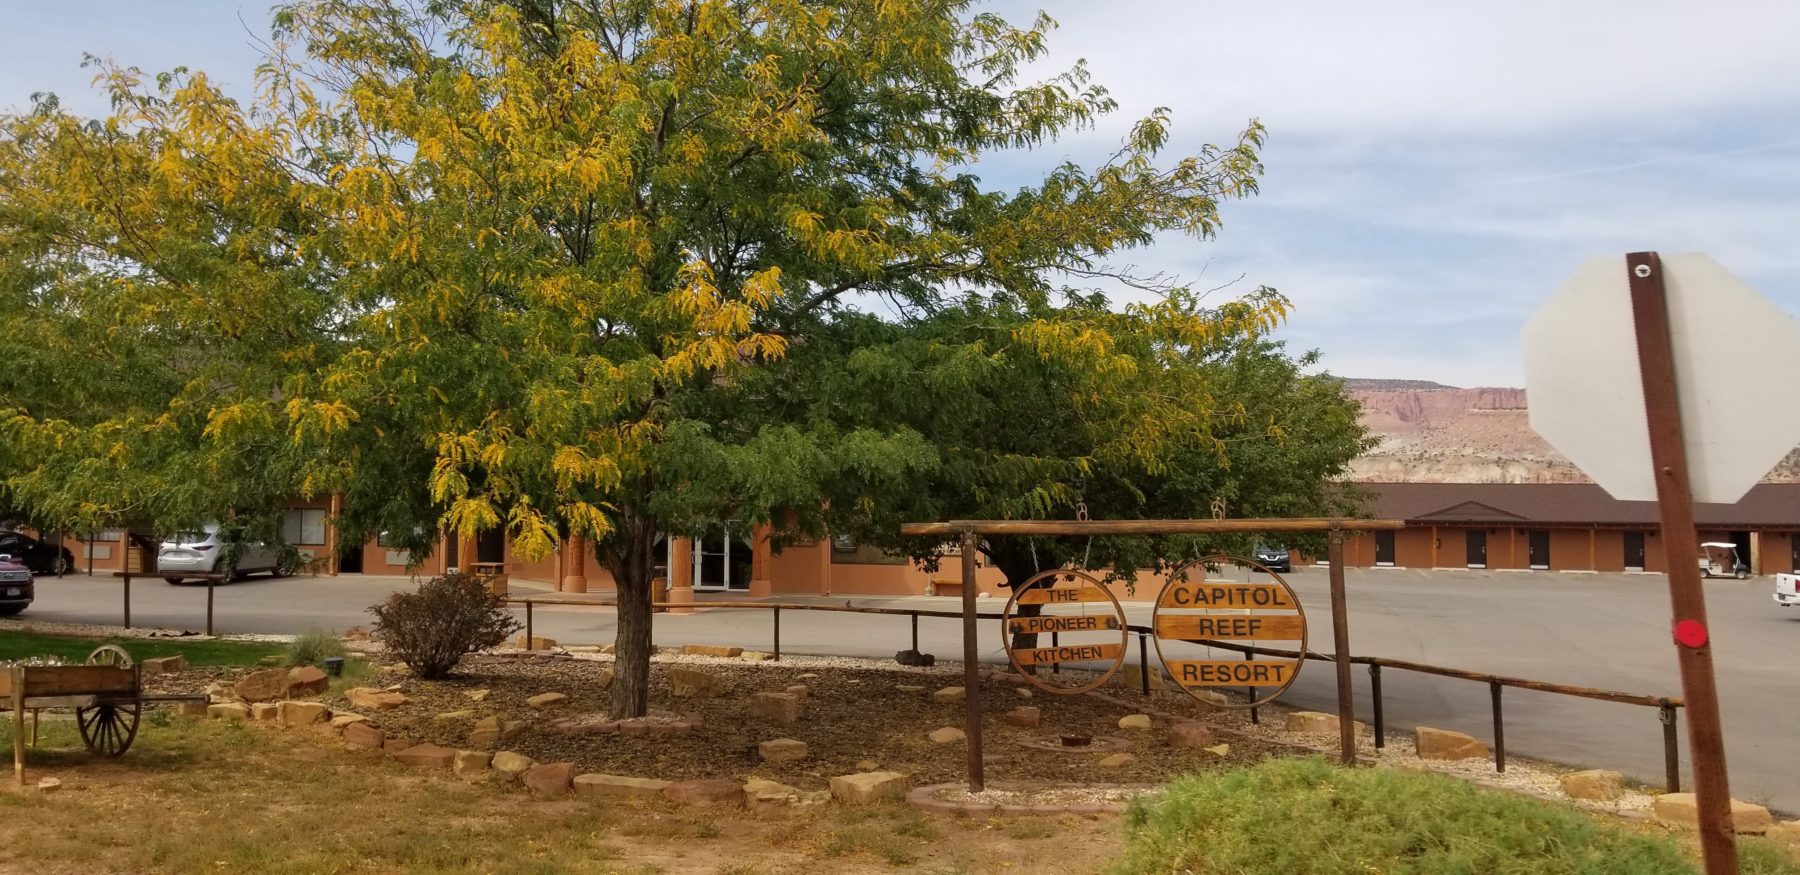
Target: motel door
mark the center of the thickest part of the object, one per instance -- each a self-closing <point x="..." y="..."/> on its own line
<point x="721" y="561"/>
<point x="1477" y="548"/>
<point x="1539" y="549"/>
<point x="1384" y="548"/>
<point x="1634" y="551"/>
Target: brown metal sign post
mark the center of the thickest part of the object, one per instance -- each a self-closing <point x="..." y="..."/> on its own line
<point x="1340" y="645"/>
<point x="971" y="668"/>
<point x="1693" y="645"/>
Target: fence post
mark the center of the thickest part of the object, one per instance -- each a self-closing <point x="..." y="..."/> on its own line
<point x="1494" y="688"/>
<point x="209" y="605"/>
<point x="1375" y="694"/>
<point x="1255" y="718"/>
<point x="528" y="636"/>
<point x="127" y="578"/>
<point x="1671" y="750"/>
<point x="1055" y="667"/>
<point x="1144" y="662"/>
<point x="777" y="613"/>
<point x="915" y="631"/>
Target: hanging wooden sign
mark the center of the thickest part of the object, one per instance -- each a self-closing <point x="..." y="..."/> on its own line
<point x="1083" y="621"/>
<point x="1192" y="610"/>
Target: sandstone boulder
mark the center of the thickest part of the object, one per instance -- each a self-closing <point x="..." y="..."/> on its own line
<point x="1682" y="811"/>
<point x="546" y="700"/>
<point x="598" y="786"/>
<point x="1136" y="722"/>
<point x="1026" y="716"/>
<point x="265" y="711"/>
<point x="1185" y="735"/>
<point x="233" y="711"/>
<point x="306" y="680"/>
<point x="471" y="764"/>
<point x="950" y="694"/>
<point x="866" y="787"/>
<point x="1445" y="744"/>
<point x="1131" y="677"/>
<point x="946" y="735"/>
<point x="1219" y="750"/>
<point x="711" y="650"/>
<point x="1596" y="785"/>
<point x="782" y="750"/>
<point x="756" y="656"/>
<point x="364" y="734"/>
<point x="477" y="695"/>
<point x="262" y="686"/>
<point x="303" y="713"/>
<point x="427" y="756"/>
<point x="162" y="665"/>
<point x="1312" y="723"/>
<point x="489" y="731"/>
<point x="535" y="643"/>
<point x="693" y="683"/>
<point x="762" y="796"/>
<point x="369" y="699"/>
<point x="705" y="792"/>
<point x="1786" y="832"/>
<point x="341" y="720"/>
<point x="549" y="779"/>
<point x="797" y="690"/>
<point x="1117" y="761"/>
<point x="453" y="716"/>
<point x="779" y="707"/>
<point x="511" y="764"/>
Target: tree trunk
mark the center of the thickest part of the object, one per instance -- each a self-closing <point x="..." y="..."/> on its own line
<point x="632" y="563"/>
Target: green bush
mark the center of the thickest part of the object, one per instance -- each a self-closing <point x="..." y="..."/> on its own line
<point x="313" y="647"/>
<point x="446" y="618"/>
<point x="1308" y="817"/>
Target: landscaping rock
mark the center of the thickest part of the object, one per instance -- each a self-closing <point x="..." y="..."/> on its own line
<point x="162" y="665"/>
<point x="1680" y="810"/>
<point x="49" y="785"/>
<point x="262" y="686"/>
<point x="1444" y="744"/>
<point x="449" y="716"/>
<point x="364" y="734"/>
<point x="692" y="683"/>
<point x="756" y="656"/>
<point x="339" y="721"/>
<point x="866" y="787"/>
<point x="369" y="699"/>
<point x="471" y="764"/>
<point x="1022" y="692"/>
<point x="546" y="700"/>
<point x="306" y="680"/>
<point x="618" y="787"/>
<point x="477" y="695"/>
<point x="950" y="694"/>
<point x="867" y="765"/>
<point x="493" y="730"/>
<point x="194" y="709"/>
<point x="427" y="755"/>
<point x="1595" y="785"/>
<point x="1211" y="697"/>
<point x="1026" y="716"/>
<point x="1185" y="735"/>
<point x="536" y="643"/>
<point x="397" y="743"/>
<point x="946" y="735"/>
<point x="711" y="650"/>
<point x="762" y="796"/>
<point x="511" y="764"/>
<point x="782" y="750"/>
<point x="807" y="675"/>
<point x="779" y="707"/>
<point x="797" y="690"/>
<point x="1117" y="761"/>
<point x="1312" y="723"/>
<point x="605" y="678"/>
<point x="233" y="711"/>
<point x="909" y="688"/>
<point x="915" y="658"/>
<point x="1137" y="722"/>
<point x="1786" y="832"/>
<point x="1219" y="750"/>
<point x="1131" y="677"/>
<point x="705" y="792"/>
<point x="549" y="779"/>
<point x="265" y="711"/>
<point x="303" y="713"/>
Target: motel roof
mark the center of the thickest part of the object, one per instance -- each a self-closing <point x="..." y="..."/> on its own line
<point x="1766" y="506"/>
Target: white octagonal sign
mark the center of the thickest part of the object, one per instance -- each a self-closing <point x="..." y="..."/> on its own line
<point x="1737" y="375"/>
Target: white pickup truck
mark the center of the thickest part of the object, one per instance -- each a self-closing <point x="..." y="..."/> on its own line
<point x="1787" y="590"/>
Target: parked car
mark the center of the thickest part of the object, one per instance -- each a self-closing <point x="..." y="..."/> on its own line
<point x="16" y="586"/>
<point x="188" y="554"/>
<point x="41" y="557"/>
<point x="1787" y="590"/>
<point x="1275" y="559"/>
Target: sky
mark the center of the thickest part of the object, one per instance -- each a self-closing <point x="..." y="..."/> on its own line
<point x="1435" y="169"/>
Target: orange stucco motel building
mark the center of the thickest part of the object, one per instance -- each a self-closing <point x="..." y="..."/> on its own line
<point x="1549" y="527"/>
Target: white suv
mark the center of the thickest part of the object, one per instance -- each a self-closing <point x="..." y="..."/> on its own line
<point x="197" y="553"/>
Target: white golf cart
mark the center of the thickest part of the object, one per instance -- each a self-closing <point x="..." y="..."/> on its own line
<point x="1721" y="559"/>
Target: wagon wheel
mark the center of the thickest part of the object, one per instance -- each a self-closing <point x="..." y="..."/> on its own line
<point x="110" y="654"/>
<point x="109" y="727"/>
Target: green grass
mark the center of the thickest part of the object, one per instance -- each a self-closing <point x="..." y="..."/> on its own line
<point x="15" y="646"/>
<point x="1307" y="816"/>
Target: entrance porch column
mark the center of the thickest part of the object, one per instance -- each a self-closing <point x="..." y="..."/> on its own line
<point x="760" y="559"/>
<point x="684" y="571"/>
<point x="574" y="556"/>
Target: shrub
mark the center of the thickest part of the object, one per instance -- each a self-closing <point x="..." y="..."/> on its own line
<point x="313" y="647"/>
<point x="433" y="627"/>
<point x="1308" y="816"/>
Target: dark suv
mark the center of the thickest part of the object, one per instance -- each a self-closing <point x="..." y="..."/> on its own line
<point x="16" y="588"/>
<point x="41" y="557"/>
<point x="1275" y="559"/>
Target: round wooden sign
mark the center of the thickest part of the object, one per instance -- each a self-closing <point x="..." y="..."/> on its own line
<point x="1192" y="610"/>
<point x="1083" y="619"/>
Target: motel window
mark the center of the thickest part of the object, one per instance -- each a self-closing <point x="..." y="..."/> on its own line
<point x="106" y="536"/>
<point x="304" y="526"/>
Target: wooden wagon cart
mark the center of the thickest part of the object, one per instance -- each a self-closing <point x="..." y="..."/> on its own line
<point x="106" y="693"/>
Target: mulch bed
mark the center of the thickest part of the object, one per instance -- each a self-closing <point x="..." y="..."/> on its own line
<point x="849" y="715"/>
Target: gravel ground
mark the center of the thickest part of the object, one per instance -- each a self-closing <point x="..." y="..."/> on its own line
<point x="1046" y="795"/>
<point x="87" y="630"/>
